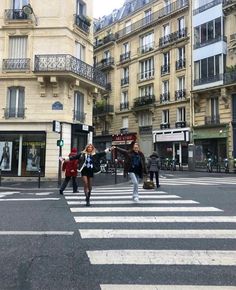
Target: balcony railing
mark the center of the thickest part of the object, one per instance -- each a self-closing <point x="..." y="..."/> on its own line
<point x="210" y="41"/>
<point x="180" y="124"/>
<point x="108" y="87"/>
<point x="103" y="110"/>
<point x="206" y="6"/>
<point x="146" y="75"/>
<point x="82" y="22"/>
<point x="108" y="38"/>
<point x="229" y="2"/>
<point x="164" y="126"/>
<point x="124" y="81"/>
<point x="180" y="95"/>
<point x="124" y="106"/>
<point x="125" y="56"/>
<point x="144" y="100"/>
<point x="145" y="130"/>
<point x="230" y="77"/>
<point x="212" y="120"/>
<point x="207" y="80"/>
<point x="68" y="63"/>
<point x="165" y="69"/>
<point x="173" y="37"/>
<point x="105" y="63"/>
<point x="79" y="116"/>
<point x="14" y="113"/>
<point x="16" y="14"/>
<point x="180" y="64"/>
<point x="164" y="98"/>
<point x="146" y="48"/>
<point x="154" y="17"/>
<point x="16" y="64"/>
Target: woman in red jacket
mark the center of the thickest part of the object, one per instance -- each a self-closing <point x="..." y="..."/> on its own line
<point x="70" y="168"/>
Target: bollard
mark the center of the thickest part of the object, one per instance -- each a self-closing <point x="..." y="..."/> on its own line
<point x="0" y="176"/>
<point x="39" y="178"/>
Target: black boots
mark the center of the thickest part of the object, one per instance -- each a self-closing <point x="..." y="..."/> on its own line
<point x="88" y="198"/>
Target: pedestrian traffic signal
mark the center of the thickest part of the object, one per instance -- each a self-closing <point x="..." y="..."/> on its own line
<point x="60" y="143"/>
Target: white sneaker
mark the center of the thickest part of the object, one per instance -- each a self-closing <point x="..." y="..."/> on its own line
<point x="136" y="199"/>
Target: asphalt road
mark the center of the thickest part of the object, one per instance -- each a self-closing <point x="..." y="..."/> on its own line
<point x="181" y="235"/>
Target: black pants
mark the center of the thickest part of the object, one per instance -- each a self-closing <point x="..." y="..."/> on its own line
<point x="66" y="181"/>
<point x="156" y="173"/>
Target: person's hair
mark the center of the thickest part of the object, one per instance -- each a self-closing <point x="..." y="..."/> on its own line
<point x="86" y="149"/>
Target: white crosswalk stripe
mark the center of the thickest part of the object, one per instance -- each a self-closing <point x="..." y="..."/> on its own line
<point x="198" y="181"/>
<point x="113" y="207"/>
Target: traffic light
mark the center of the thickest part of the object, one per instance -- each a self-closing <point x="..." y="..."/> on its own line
<point x="60" y="143"/>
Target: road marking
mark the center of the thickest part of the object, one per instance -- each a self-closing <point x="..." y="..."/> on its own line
<point x="36" y="233"/>
<point x="116" y="192"/>
<point x="162" y="257"/>
<point x="9" y="192"/>
<point x="156" y="234"/>
<point x="144" y="209"/>
<point x="122" y="197"/>
<point x="29" y="199"/>
<point x="131" y="202"/>
<point x="155" y="219"/>
<point x="43" y="193"/>
<point x="164" y="287"/>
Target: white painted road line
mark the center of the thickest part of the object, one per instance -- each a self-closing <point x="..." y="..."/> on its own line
<point x="116" y="192"/>
<point x="163" y="287"/>
<point x="29" y="199"/>
<point x="163" y="257"/>
<point x="155" y="219"/>
<point x="144" y="209"/>
<point x="95" y="202"/>
<point x="36" y="233"/>
<point x="122" y="197"/>
<point x="156" y="234"/>
<point x="9" y="192"/>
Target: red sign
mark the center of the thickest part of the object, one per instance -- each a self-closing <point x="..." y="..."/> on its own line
<point x="122" y="139"/>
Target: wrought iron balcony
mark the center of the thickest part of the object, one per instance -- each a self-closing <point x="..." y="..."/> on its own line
<point x="230" y="77"/>
<point x="146" y="75"/>
<point x="16" y="14"/>
<point x="79" y="116"/>
<point x="82" y="22"/>
<point x="108" y="86"/>
<point x="124" y="81"/>
<point x="180" y="95"/>
<point x="103" y="110"/>
<point x="165" y="69"/>
<point x="145" y="130"/>
<point x="207" y="80"/>
<point x="144" y="100"/>
<point x="164" y="98"/>
<point x="124" y="106"/>
<point x="108" y="38"/>
<point x="180" y="124"/>
<point x="16" y="64"/>
<point x="146" y="48"/>
<point x="164" y="126"/>
<point x="212" y="120"/>
<point x="206" y="6"/>
<point x="180" y="64"/>
<point x="228" y="6"/>
<point x="173" y="37"/>
<point x="14" y="113"/>
<point x="209" y="42"/>
<point x="106" y="63"/>
<point x="153" y="18"/>
<point x="125" y="56"/>
<point x="68" y="63"/>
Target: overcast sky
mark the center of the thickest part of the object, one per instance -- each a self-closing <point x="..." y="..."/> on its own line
<point x="105" y="7"/>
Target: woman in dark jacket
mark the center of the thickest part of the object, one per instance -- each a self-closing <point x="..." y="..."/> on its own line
<point x="134" y="165"/>
<point x="153" y="167"/>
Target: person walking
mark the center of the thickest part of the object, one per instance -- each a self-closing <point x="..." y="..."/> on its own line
<point x="153" y="167"/>
<point x="89" y="165"/>
<point x="70" y="167"/>
<point x="134" y="165"/>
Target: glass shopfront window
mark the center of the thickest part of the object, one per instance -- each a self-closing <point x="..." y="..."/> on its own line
<point x="22" y="154"/>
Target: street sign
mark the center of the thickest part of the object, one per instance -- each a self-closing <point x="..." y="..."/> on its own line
<point x="56" y="126"/>
<point x="60" y="143"/>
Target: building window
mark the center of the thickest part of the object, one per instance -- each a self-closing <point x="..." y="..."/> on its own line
<point x="214" y="103"/>
<point x="124" y="97"/>
<point x="79" y="114"/>
<point x="146" y="69"/>
<point x="80" y="51"/>
<point x="166" y="30"/>
<point x="181" y="117"/>
<point x="145" y="119"/>
<point x="165" y="87"/>
<point x="147" y="42"/>
<point x="125" y="47"/>
<point x="165" y="116"/>
<point x="15" y="102"/>
<point x="107" y="54"/>
<point x="181" y="53"/>
<point x="147" y="16"/>
<point x="125" y="78"/>
<point x="128" y="26"/>
<point x="18" y="4"/>
<point x="146" y="91"/>
<point x="17" y="47"/>
<point x="125" y="122"/>
<point x="181" y="83"/>
<point x="81" y="8"/>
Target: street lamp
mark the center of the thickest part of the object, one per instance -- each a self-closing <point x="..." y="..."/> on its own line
<point x="28" y="10"/>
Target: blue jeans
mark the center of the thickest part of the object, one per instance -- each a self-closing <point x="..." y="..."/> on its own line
<point x="135" y="179"/>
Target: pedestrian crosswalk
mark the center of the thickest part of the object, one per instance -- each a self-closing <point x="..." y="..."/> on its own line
<point x="116" y="224"/>
<point x="219" y="180"/>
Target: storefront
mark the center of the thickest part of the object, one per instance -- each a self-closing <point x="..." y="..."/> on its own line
<point x="172" y="144"/>
<point x="81" y="135"/>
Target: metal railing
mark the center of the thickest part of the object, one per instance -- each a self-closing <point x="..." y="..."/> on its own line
<point x="103" y="109"/>
<point x="210" y="41"/>
<point x="209" y="79"/>
<point x="125" y="56"/>
<point x="165" y="69"/>
<point x="124" y="106"/>
<point x="79" y="116"/>
<point x="16" y="14"/>
<point x="144" y="100"/>
<point x="82" y="23"/>
<point x="173" y="37"/>
<point x="146" y="75"/>
<point x="212" y="120"/>
<point x="164" y="126"/>
<point x="124" y="81"/>
<point x="108" y="38"/>
<point x="180" y="94"/>
<point x="180" y="124"/>
<point x="68" y="63"/>
<point x="180" y="64"/>
<point x="206" y="6"/>
<point x="16" y="64"/>
<point x="146" y="48"/>
<point x="105" y="63"/>
<point x="144" y="130"/>
<point x="14" y="113"/>
<point x="164" y="97"/>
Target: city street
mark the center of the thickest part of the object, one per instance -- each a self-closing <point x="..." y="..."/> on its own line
<point x="181" y="236"/>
